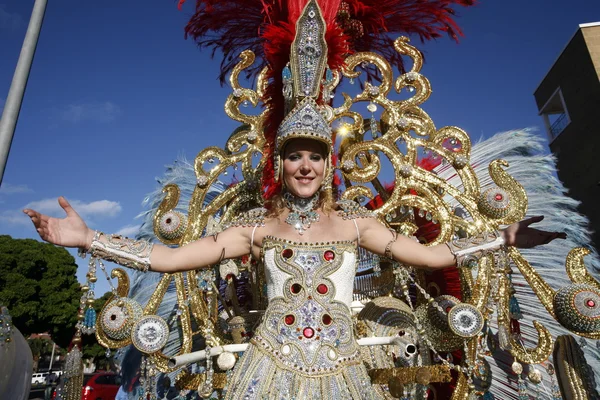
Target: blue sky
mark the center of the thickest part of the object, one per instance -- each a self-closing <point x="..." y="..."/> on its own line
<point x="116" y="93"/>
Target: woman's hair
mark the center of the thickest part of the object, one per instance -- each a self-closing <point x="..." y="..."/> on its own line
<point x="276" y="204"/>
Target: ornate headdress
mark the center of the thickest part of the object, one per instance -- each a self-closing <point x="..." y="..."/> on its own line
<point x="302" y="80"/>
<point x="301" y="48"/>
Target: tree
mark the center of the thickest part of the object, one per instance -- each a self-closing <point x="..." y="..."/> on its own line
<point x="39" y="287"/>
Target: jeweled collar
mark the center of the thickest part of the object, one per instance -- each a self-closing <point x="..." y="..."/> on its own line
<point x="302" y="211"/>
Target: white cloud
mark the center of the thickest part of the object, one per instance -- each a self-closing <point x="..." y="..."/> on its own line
<point x="99" y="208"/>
<point x="8" y="188"/>
<point x="13" y="218"/>
<point x="97" y="112"/>
<point x="129" y="230"/>
<point x="9" y="21"/>
<point x="91" y="210"/>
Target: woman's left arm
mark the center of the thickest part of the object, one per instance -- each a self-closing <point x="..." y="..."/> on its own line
<point x="376" y="238"/>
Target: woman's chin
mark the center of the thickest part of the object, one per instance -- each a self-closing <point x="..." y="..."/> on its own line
<point x="303" y="192"/>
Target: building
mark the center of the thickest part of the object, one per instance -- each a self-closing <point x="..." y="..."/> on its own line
<point x="568" y="99"/>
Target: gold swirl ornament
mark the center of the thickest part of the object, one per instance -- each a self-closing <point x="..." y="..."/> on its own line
<point x="505" y="203"/>
<point x="118" y="315"/>
<point x="169" y="225"/>
<point x="545" y="293"/>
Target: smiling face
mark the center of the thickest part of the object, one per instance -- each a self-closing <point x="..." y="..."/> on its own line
<point x="304" y="166"/>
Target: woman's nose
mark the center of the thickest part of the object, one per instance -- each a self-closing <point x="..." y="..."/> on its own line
<point x="304" y="167"/>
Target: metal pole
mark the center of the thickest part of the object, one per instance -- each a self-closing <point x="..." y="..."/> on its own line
<point x="12" y="107"/>
<point x="52" y="357"/>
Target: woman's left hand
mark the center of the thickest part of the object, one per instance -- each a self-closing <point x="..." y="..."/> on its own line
<point x="521" y="235"/>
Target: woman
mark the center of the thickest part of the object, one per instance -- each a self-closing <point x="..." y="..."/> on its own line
<point x="305" y="344"/>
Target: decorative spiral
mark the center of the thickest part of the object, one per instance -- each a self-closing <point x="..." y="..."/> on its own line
<point x="172" y="225"/>
<point x="465" y="320"/>
<point x="119" y="316"/>
<point x="577" y="308"/>
<point x="494" y="202"/>
<point x="438" y="310"/>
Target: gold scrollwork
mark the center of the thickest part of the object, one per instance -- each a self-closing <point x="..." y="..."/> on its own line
<point x="576" y="268"/>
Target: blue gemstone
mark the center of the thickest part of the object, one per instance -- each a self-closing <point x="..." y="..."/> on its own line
<point x="286" y="73"/>
<point x="328" y="76"/>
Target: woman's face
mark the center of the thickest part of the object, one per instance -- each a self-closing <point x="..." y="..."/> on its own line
<point x="303" y="166"/>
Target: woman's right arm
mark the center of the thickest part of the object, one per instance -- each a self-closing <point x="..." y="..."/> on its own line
<point x="72" y="231"/>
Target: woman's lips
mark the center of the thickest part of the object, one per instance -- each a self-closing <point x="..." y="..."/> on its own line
<point x="304" y="180"/>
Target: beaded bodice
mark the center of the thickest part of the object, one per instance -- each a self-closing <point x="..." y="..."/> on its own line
<point x="307" y="326"/>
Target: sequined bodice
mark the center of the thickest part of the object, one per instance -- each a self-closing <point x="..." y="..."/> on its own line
<point x="307" y="325"/>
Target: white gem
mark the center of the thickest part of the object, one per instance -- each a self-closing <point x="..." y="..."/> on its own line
<point x="332" y="354"/>
<point x="412" y="76"/>
<point x="286" y="349"/>
<point x="202" y="181"/>
<point x="348" y="165"/>
<point x="374" y="90"/>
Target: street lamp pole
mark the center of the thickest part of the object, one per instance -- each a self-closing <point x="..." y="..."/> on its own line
<point x="12" y="107"/>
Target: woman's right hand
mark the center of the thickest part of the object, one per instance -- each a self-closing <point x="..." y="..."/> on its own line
<point x="70" y="231"/>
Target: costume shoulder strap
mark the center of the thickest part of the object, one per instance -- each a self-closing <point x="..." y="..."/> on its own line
<point x="350" y="209"/>
<point x="254" y="217"/>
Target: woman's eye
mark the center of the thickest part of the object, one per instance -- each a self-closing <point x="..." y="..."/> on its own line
<point x="316" y="157"/>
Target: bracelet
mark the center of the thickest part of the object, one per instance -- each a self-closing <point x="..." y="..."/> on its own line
<point x="124" y="251"/>
<point x="468" y="251"/>
<point x="388" y="247"/>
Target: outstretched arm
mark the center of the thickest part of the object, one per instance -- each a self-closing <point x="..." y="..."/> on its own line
<point x="72" y="231"/>
<point x="376" y="238"/>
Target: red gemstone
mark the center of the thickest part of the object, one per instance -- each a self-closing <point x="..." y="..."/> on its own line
<point x="326" y="319"/>
<point x="287" y="253"/>
<point x="289" y="319"/>
<point x="401" y="333"/>
<point x="296" y="288"/>
<point x="448" y="308"/>
<point x="590" y="303"/>
<point x="329" y="255"/>
<point x="308" y="332"/>
<point x="322" y="288"/>
<point x="498" y="197"/>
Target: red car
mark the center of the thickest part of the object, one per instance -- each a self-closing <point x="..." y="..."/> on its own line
<point x="100" y="386"/>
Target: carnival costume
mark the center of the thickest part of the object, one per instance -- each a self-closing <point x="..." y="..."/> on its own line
<point x="291" y="312"/>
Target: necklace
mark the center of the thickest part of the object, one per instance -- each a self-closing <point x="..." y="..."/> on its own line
<point x="302" y="212"/>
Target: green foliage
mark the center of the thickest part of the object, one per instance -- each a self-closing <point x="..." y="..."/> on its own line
<point x="40" y="347"/>
<point x="39" y="287"/>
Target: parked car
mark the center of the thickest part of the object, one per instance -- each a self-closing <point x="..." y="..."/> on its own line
<point x="39" y="378"/>
<point x="100" y="386"/>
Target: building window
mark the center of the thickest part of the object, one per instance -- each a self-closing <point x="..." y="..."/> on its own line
<point x="555" y="115"/>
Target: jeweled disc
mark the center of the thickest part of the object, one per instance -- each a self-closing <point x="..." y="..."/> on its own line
<point x="577" y="307"/>
<point x="150" y="334"/>
<point x="465" y="320"/>
<point x="117" y="321"/>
